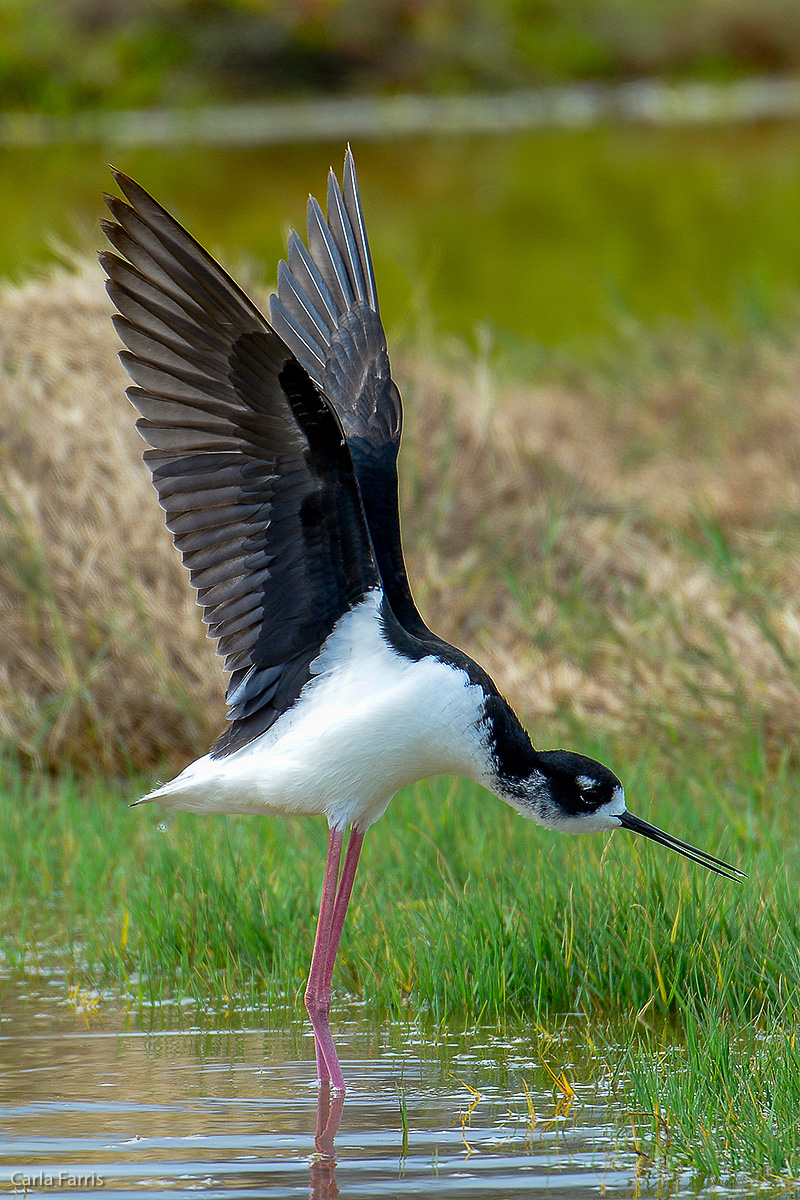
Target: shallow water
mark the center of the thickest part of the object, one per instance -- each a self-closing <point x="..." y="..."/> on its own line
<point x="547" y="238"/>
<point x="95" y="1099"/>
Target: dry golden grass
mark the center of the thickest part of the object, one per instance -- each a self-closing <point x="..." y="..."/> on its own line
<point x="621" y="549"/>
<point x="646" y="530"/>
<point x="104" y="659"/>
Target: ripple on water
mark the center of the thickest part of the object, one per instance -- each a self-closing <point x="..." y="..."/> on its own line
<point x="97" y="1102"/>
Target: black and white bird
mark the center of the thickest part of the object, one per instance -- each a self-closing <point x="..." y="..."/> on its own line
<point x="273" y="448"/>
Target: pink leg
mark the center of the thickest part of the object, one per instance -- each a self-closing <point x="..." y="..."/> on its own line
<point x="315" y="988"/>
<point x="333" y="909"/>
<point x="343" y="892"/>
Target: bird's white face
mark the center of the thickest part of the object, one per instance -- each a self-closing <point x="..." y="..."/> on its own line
<point x="605" y="817"/>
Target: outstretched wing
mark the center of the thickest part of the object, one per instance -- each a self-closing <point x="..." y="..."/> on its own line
<point x="326" y="311"/>
<point x="247" y="458"/>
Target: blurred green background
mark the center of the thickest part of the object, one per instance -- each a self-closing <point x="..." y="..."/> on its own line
<point x="73" y="54"/>
<point x="527" y="242"/>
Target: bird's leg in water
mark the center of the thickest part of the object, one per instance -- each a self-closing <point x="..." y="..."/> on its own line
<point x="327" y="1060"/>
<point x="332" y="912"/>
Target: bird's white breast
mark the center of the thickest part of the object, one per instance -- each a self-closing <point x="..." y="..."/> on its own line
<point x="367" y="723"/>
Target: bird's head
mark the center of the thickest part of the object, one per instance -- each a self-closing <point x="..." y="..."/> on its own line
<point x="575" y="794"/>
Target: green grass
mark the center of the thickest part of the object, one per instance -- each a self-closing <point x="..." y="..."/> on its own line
<point x="462" y="908"/>
<point x="724" y="1101"/>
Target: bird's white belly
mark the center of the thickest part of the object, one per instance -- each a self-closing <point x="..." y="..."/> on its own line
<point x="367" y="724"/>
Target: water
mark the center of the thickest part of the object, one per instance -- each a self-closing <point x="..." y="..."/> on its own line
<point x="96" y="1099"/>
<point x="548" y="238"/>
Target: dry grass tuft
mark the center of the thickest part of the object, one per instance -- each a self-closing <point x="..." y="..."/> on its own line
<point x="625" y="551"/>
<point x="104" y="659"/>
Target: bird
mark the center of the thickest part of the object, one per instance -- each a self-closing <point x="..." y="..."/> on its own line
<point x="273" y="446"/>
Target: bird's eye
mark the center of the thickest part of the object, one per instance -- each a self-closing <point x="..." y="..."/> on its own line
<point x="587" y="785"/>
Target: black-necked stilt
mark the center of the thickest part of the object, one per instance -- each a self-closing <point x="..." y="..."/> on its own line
<point x="273" y="448"/>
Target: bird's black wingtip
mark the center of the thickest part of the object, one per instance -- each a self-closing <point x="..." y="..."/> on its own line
<point x="122" y="178"/>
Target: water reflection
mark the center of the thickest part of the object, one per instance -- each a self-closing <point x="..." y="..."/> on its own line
<point x="165" y="1104"/>
<point x="323" y="1164"/>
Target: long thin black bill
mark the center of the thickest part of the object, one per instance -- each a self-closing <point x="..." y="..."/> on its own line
<point x="637" y="825"/>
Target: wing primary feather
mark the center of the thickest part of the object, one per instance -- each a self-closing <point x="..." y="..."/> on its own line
<point x="293" y="297"/>
<point x="182" y="242"/>
<point x="327" y="311"/>
<point x="193" y="276"/>
<point x="352" y="202"/>
<point x="305" y="271"/>
<point x="309" y="352"/>
<point x="339" y="223"/>
<point x="326" y="254"/>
